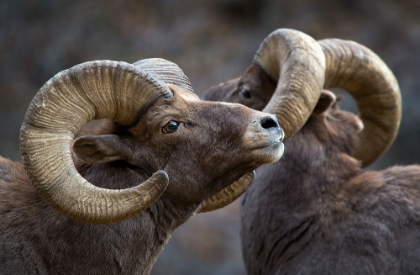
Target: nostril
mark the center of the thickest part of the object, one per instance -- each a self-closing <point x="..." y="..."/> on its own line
<point x="281" y="134"/>
<point x="268" y="122"/>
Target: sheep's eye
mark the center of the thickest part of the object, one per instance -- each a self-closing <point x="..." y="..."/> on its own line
<point x="170" y="127"/>
<point x="245" y="93"/>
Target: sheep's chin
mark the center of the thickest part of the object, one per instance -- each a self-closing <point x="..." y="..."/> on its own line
<point x="270" y="153"/>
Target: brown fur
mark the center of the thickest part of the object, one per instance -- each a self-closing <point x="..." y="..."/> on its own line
<point x="317" y="212"/>
<point x="206" y="154"/>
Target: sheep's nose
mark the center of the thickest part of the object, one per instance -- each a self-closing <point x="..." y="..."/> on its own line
<point x="271" y="123"/>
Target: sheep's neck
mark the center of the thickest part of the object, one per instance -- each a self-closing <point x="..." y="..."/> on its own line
<point x="144" y="235"/>
<point x="309" y="171"/>
<point x="299" y="199"/>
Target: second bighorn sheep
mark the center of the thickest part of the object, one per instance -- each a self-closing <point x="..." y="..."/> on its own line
<point x="159" y="158"/>
<point x="316" y="211"/>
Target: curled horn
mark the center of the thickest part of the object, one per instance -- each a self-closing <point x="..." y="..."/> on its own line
<point x="371" y="83"/>
<point x="91" y="90"/>
<point x="295" y="61"/>
<point x="228" y="194"/>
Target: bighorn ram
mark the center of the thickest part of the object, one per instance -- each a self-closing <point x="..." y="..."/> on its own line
<point x="316" y="211"/>
<point x="159" y="159"/>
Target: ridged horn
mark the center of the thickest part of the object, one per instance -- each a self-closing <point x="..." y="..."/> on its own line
<point x="364" y="75"/>
<point x="228" y="194"/>
<point x="295" y="61"/>
<point x="91" y="90"/>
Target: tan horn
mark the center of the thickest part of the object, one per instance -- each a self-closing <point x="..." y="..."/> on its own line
<point x="371" y="83"/>
<point x="295" y="61"/>
<point x="228" y="194"/>
<point x="92" y="90"/>
<point x="165" y="71"/>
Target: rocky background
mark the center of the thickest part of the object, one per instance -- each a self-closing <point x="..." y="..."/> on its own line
<point x="212" y="41"/>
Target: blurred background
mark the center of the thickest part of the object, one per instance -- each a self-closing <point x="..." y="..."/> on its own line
<point x="212" y="41"/>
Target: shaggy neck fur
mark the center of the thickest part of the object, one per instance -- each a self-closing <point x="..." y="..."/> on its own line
<point x="127" y="247"/>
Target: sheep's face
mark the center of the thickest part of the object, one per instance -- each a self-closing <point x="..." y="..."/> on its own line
<point x="254" y="89"/>
<point x="203" y="146"/>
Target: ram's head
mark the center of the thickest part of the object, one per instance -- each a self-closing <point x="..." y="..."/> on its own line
<point x="289" y="72"/>
<point x="157" y="127"/>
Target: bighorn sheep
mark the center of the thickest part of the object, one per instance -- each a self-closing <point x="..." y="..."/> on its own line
<point x="316" y="211"/>
<point x="161" y="159"/>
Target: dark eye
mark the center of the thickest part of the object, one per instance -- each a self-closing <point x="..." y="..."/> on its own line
<point x="170" y="127"/>
<point x="244" y="93"/>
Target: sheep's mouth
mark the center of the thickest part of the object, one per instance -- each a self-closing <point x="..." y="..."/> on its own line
<point x="269" y="151"/>
<point x="272" y="144"/>
<point x="265" y="143"/>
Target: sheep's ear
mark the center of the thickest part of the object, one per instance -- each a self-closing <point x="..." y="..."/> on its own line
<point x="325" y="101"/>
<point x="100" y="149"/>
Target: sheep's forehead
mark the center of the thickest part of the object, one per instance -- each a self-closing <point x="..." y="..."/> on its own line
<point x="183" y="93"/>
<point x="188" y="97"/>
<point x="187" y="105"/>
<point x="179" y="107"/>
